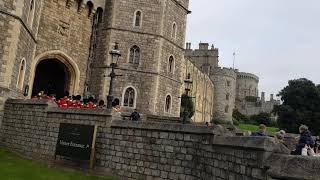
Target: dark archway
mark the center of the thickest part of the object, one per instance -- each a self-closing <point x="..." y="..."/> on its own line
<point x="52" y="77"/>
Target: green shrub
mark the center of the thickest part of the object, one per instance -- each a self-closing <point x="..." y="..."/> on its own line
<point x="240" y="117"/>
<point x="236" y="122"/>
<point x="262" y="118"/>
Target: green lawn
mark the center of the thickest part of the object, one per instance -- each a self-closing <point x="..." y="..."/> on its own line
<point x="13" y="167"/>
<point x="252" y="128"/>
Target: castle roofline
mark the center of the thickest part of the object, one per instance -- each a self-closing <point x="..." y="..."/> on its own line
<point x="245" y="75"/>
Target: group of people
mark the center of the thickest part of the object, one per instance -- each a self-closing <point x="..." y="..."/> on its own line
<point x="306" y="145"/>
<point x="72" y="101"/>
<point x="91" y="102"/>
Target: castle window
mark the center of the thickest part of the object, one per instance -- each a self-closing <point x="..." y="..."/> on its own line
<point x="228" y="83"/>
<point x="99" y="15"/>
<point x="134" y="56"/>
<point x="137" y="18"/>
<point x="227" y="96"/>
<point x="226" y="109"/>
<point x="90" y="8"/>
<point x="174" y="31"/>
<point x="168" y="104"/>
<point x="188" y="76"/>
<point x="129" y="97"/>
<point x="171" y="64"/>
<point x="22" y="71"/>
<point x="31" y="13"/>
<point x="79" y="5"/>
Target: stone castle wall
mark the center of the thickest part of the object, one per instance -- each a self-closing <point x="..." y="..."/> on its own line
<point x="18" y="27"/>
<point x="224" y="80"/>
<point x="149" y="150"/>
<point x="150" y="77"/>
<point x="204" y="58"/>
<point x="247" y="85"/>
<point x="202" y="93"/>
<point x="43" y="30"/>
<point x="66" y="34"/>
<point x="253" y="108"/>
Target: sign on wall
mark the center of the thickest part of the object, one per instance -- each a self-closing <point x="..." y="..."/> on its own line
<point x="76" y="141"/>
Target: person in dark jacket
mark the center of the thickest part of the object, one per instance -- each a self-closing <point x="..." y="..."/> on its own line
<point x="261" y="132"/>
<point x="135" y="116"/>
<point x="304" y="139"/>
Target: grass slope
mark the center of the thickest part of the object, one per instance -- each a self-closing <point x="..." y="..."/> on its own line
<point x="252" y="128"/>
<point x="13" y="167"/>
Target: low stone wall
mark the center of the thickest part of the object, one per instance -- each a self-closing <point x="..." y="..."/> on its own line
<point x="151" y="150"/>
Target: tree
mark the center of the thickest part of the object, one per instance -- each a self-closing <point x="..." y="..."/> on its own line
<point x="261" y="118"/>
<point x="301" y="105"/>
<point x="186" y="106"/>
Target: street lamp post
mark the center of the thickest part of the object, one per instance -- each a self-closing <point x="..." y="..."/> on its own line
<point x="188" y="87"/>
<point x="115" y="54"/>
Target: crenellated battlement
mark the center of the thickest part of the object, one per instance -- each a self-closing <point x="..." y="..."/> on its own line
<point x="202" y="50"/>
<point x="84" y="6"/>
<point x="244" y="75"/>
<point x="219" y="71"/>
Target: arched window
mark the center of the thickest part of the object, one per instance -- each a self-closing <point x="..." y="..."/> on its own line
<point x="134" y="56"/>
<point x="31" y="12"/>
<point x="188" y="76"/>
<point x="90" y="8"/>
<point x="137" y="18"/>
<point x="227" y="96"/>
<point x="129" y="97"/>
<point x="168" y="104"/>
<point x="174" y="30"/>
<point x="22" y="71"/>
<point x="226" y="110"/>
<point x="171" y="64"/>
<point x="99" y="15"/>
<point x="79" y="5"/>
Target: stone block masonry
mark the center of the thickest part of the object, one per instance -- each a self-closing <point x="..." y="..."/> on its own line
<point x="150" y="150"/>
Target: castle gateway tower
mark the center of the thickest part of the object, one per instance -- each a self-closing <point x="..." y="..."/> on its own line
<point x="151" y="37"/>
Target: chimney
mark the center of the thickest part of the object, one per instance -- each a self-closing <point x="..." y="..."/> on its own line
<point x="203" y="46"/>
<point x="271" y="97"/>
<point x="188" y="46"/>
<point x="263" y="96"/>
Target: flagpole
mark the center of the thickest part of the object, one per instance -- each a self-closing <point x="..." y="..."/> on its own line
<point x="234" y="58"/>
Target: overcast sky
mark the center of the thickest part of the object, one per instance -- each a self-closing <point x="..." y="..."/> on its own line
<point x="277" y="40"/>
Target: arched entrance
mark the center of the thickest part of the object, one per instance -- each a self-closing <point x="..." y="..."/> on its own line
<point x="52" y="77"/>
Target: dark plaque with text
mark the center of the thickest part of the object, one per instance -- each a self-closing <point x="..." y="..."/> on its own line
<point x="75" y="141"/>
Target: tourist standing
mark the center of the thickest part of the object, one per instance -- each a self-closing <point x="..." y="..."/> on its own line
<point x="135" y="116"/>
<point x="305" y="140"/>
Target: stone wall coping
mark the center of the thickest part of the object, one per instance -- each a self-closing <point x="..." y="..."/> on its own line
<point x="160" y="126"/>
<point x="249" y="142"/>
<point x="46" y="102"/>
<point x="77" y="111"/>
<point x="293" y="167"/>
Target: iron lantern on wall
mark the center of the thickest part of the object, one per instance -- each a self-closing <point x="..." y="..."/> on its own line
<point x="115" y="55"/>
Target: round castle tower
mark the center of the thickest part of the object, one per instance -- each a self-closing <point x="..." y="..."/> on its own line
<point x="224" y="80"/>
<point x="247" y="85"/>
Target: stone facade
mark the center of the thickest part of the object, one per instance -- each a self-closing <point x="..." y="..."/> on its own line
<point x="35" y="31"/>
<point x="231" y="87"/>
<point x="79" y="38"/>
<point x="259" y="106"/>
<point x="75" y="37"/>
<point x="247" y="85"/>
<point x="224" y="80"/>
<point x="149" y="150"/>
<point x="151" y="78"/>
<point x="202" y="93"/>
